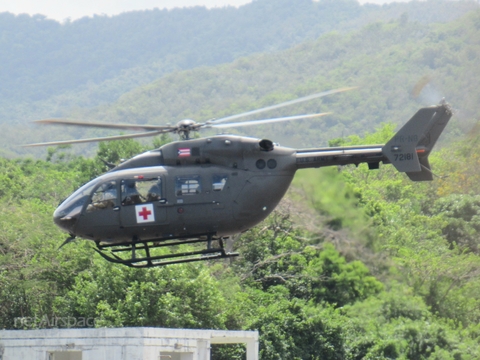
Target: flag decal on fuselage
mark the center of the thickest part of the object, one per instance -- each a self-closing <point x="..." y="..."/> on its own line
<point x="183" y="152"/>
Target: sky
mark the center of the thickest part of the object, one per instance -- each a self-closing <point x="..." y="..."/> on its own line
<point x="74" y="9"/>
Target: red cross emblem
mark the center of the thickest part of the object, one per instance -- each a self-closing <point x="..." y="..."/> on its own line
<point x="144" y="213"/>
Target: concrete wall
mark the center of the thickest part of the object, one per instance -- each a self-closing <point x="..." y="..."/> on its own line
<point x="120" y="343"/>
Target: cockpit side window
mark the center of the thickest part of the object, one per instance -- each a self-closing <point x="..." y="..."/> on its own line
<point x="141" y="191"/>
<point x="187" y="185"/>
<point x="219" y="181"/>
<point x="104" y="197"/>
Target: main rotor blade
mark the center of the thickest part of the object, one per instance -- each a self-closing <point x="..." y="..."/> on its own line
<point x="107" y="138"/>
<point x="102" y="125"/>
<point x="277" y="106"/>
<point x="265" y="121"/>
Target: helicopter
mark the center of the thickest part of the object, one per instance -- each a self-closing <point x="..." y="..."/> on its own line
<point x="204" y="190"/>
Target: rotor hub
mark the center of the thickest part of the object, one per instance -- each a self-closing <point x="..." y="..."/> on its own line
<point x="184" y="127"/>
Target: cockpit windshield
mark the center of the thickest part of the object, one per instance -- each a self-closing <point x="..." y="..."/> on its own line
<point x="76" y="200"/>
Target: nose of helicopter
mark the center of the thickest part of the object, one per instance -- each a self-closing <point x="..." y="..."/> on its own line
<point x="64" y="221"/>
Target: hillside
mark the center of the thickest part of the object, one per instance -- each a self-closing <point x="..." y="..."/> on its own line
<point x="386" y="61"/>
<point x="48" y="67"/>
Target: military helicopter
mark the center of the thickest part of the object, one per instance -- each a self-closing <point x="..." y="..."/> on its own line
<point x="203" y="190"/>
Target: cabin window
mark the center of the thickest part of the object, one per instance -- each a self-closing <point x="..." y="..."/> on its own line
<point x="141" y="191"/>
<point x="104" y="197"/>
<point x="187" y="185"/>
<point x="218" y="182"/>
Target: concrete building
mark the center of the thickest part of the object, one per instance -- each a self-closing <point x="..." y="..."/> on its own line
<point x="120" y="344"/>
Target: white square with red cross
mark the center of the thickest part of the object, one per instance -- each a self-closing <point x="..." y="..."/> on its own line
<point x="144" y="213"/>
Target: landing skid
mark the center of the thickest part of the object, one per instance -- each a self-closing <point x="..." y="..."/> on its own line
<point x="109" y="252"/>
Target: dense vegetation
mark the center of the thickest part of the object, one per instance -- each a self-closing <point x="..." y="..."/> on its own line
<point x="374" y="267"/>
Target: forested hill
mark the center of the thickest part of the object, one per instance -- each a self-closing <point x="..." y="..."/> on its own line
<point x="94" y="60"/>
<point x="386" y="61"/>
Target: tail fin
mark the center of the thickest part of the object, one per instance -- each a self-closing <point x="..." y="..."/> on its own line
<point x="408" y="150"/>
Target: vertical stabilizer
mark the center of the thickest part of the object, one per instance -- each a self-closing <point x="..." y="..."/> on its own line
<point x="408" y="150"/>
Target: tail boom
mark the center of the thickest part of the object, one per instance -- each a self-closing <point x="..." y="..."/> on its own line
<point x="314" y="158"/>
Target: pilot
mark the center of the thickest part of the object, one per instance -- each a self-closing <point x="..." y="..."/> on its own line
<point x="130" y="195"/>
<point x="103" y="198"/>
<point x="109" y="198"/>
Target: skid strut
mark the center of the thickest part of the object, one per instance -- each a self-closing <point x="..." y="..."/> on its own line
<point x="112" y="252"/>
